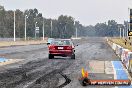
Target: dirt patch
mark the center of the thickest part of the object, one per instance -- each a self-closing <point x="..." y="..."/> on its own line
<point x="19" y="43"/>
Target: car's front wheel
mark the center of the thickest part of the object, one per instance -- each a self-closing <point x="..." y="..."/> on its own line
<point x="73" y="56"/>
<point x="51" y="56"/>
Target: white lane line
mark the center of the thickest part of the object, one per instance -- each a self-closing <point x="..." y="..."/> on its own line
<point x="115" y="77"/>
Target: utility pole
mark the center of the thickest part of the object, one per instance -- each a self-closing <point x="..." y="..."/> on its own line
<point x="43" y="29"/>
<point x="60" y="33"/>
<point x="120" y="32"/>
<point x="51" y="28"/>
<point x="130" y="19"/>
<point x="75" y="28"/>
<point x="127" y="29"/>
<point x="14" y="28"/>
<point x="123" y="33"/>
<point x="76" y="32"/>
<point x="25" y="27"/>
<point x="35" y="29"/>
<point x="64" y="32"/>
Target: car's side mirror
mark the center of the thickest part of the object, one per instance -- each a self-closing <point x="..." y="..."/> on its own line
<point x="48" y="43"/>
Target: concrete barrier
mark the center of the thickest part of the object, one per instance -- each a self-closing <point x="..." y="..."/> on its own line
<point x="124" y="54"/>
<point x="130" y="66"/>
<point x="114" y="46"/>
<point x="118" y="50"/>
<point x="130" y="61"/>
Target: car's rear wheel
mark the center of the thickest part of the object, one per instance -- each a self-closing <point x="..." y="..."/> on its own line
<point x="51" y="56"/>
<point x="73" y="56"/>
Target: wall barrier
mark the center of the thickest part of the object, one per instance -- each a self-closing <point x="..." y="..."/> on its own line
<point x="114" y="46"/>
<point x="130" y="66"/>
<point x="124" y="54"/>
<point x="118" y="50"/>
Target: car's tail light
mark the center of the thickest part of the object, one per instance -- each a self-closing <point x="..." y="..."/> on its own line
<point x="69" y="47"/>
<point x="51" y="47"/>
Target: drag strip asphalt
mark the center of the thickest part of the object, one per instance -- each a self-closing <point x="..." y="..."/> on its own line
<point x="37" y="71"/>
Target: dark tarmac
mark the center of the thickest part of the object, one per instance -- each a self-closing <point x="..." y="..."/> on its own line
<point x="37" y="71"/>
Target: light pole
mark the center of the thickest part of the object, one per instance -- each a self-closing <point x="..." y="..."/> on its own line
<point x="120" y="32"/>
<point x="43" y="29"/>
<point x="75" y="28"/>
<point x="35" y="29"/>
<point x="59" y="29"/>
<point x="64" y="31"/>
<point x="129" y="19"/>
<point x="14" y="27"/>
<point x="127" y="29"/>
<point x="25" y="27"/>
<point x="51" y="28"/>
<point x="65" y="27"/>
<point x="123" y="33"/>
<point x="76" y="32"/>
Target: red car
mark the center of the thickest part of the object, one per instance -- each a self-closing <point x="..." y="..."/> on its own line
<point x="61" y="47"/>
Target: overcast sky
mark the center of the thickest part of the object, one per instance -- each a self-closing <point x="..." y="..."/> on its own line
<point x="88" y="12"/>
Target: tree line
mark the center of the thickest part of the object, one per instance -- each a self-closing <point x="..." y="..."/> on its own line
<point x="110" y="29"/>
<point x="63" y="27"/>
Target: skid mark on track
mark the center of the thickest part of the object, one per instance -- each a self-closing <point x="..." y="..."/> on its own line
<point x="68" y="80"/>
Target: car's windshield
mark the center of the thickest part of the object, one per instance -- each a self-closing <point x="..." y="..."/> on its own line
<point x="61" y="42"/>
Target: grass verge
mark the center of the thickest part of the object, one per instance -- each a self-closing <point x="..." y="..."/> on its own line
<point x="18" y="43"/>
<point x="121" y="42"/>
